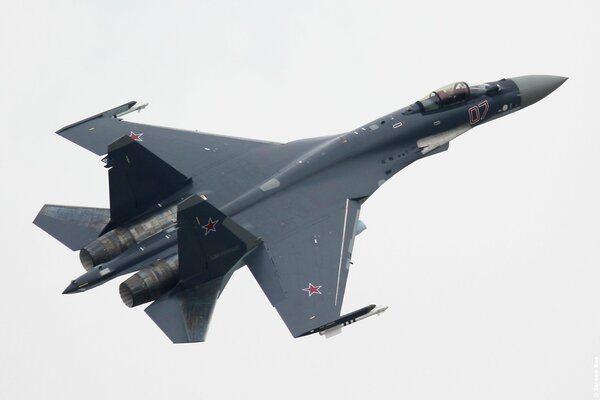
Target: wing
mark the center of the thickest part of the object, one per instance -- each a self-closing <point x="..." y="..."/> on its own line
<point x="308" y="233"/>
<point x="224" y="167"/>
<point x="304" y="272"/>
<point x="186" y="151"/>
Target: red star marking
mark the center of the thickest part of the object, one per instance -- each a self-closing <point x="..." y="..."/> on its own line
<point x="210" y="226"/>
<point x="312" y="289"/>
<point x="136" y="136"/>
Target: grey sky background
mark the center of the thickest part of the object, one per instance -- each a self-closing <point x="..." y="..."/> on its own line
<point x="487" y="254"/>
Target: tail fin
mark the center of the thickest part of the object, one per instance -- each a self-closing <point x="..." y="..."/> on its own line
<point x="72" y="226"/>
<point x="211" y="247"/>
<point x="209" y="243"/>
<point x="138" y="180"/>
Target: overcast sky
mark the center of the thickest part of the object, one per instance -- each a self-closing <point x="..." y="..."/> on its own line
<point x="487" y="255"/>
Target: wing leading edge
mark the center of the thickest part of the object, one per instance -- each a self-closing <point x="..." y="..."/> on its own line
<point x="186" y="151"/>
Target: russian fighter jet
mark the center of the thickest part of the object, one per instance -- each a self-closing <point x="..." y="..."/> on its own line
<point x="187" y="209"/>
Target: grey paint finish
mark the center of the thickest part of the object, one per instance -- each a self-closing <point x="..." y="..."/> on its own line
<point x="317" y="254"/>
<point x="299" y="201"/>
<point x="72" y="226"/>
<point x="533" y="88"/>
<point x="184" y="316"/>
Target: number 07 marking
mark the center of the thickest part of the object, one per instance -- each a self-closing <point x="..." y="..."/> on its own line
<point x="477" y="113"/>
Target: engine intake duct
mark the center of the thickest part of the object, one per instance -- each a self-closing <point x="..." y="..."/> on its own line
<point x="151" y="282"/>
<point x="115" y="242"/>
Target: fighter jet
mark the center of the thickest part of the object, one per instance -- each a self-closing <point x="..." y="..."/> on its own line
<point x="187" y="209"/>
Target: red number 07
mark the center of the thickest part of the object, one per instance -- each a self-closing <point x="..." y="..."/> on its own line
<point x="477" y="113"/>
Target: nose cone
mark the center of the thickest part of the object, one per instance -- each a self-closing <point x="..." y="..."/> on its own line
<point x="535" y="87"/>
<point x="72" y="288"/>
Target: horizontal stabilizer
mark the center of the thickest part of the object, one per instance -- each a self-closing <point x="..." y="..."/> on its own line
<point x="184" y="314"/>
<point x="138" y="179"/>
<point x="72" y="226"/>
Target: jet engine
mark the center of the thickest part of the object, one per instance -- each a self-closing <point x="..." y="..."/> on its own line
<point x="151" y="282"/>
<point x="115" y="242"/>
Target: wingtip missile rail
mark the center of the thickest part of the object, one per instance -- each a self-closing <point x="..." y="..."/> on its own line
<point x="337" y="329"/>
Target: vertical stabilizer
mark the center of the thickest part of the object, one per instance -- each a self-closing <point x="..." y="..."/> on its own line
<point x="138" y="180"/>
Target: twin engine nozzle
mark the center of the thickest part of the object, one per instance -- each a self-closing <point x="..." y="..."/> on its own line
<point x="151" y="282"/>
<point x="113" y="243"/>
<point x="148" y="283"/>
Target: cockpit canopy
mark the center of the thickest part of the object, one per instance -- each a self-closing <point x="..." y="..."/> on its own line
<point x="445" y="96"/>
<point x="449" y="95"/>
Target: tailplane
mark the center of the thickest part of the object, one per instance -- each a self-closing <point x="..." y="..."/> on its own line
<point x="72" y="226"/>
